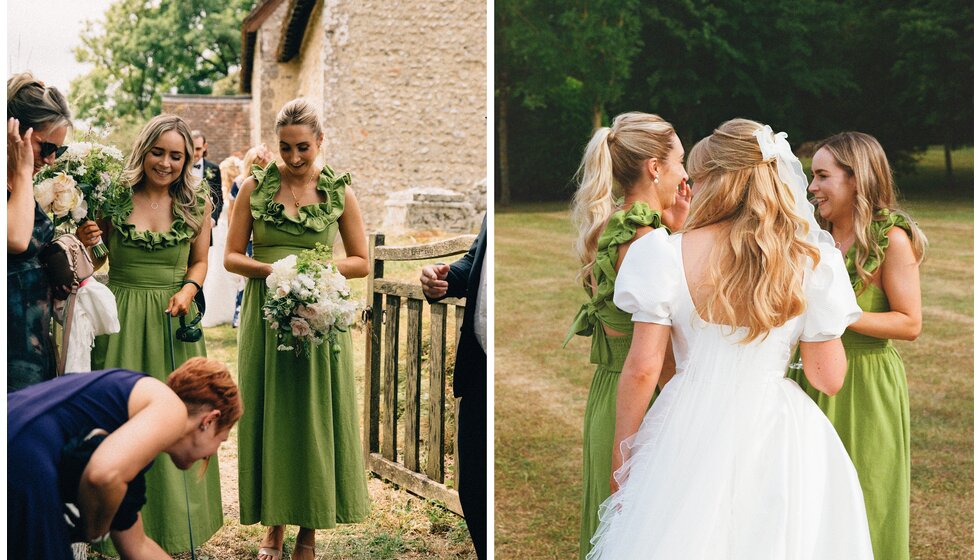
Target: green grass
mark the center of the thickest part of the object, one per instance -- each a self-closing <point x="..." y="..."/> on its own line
<point x="540" y="389"/>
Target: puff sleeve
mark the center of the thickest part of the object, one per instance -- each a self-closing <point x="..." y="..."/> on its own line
<point x="649" y="279"/>
<point x="830" y="302"/>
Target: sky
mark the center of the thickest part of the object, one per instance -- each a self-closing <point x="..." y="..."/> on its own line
<point x="42" y="33"/>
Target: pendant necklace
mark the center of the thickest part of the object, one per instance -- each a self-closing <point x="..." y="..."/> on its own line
<point x="293" y="194"/>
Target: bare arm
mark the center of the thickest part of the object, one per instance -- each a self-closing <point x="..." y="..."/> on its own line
<point x="637" y="382"/>
<point x="156" y="420"/>
<point x="239" y="231"/>
<point x="900" y="281"/>
<point x="824" y="365"/>
<point x="355" y="264"/>
<point x="20" y="202"/>
<point x="133" y="544"/>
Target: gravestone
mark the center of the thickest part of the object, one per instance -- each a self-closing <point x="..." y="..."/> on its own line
<point x="429" y="208"/>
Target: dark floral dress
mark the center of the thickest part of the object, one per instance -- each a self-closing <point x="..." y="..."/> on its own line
<point x="30" y="354"/>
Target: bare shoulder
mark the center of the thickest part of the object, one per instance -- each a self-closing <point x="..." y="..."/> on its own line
<point x="148" y="391"/>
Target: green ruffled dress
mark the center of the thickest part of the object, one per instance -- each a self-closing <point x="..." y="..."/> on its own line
<point x="299" y="448"/>
<point x="609" y="355"/>
<point x="146" y="269"/>
<point x="871" y="411"/>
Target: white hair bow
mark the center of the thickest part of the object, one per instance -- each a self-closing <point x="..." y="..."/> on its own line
<point x="773" y="145"/>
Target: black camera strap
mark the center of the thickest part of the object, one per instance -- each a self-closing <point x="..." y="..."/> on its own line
<point x="169" y="327"/>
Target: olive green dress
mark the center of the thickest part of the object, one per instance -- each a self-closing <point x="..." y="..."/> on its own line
<point x="299" y="449"/>
<point x="609" y="354"/>
<point x="871" y="412"/>
<point x="146" y="269"/>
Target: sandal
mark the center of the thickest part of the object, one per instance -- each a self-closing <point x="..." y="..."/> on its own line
<point x="300" y="545"/>
<point x="270" y="552"/>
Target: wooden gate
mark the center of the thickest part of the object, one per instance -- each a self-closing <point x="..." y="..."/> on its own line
<point x="385" y="373"/>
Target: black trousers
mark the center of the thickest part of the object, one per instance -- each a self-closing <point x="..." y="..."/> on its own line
<point x="472" y="458"/>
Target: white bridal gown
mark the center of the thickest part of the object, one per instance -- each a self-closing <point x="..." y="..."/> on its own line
<point x="220" y="286"/>
<point x="733" y="461"/>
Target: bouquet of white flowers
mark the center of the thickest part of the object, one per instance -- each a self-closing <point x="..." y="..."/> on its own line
<point x="76" y="186"/>
<point x="308" y="301"/>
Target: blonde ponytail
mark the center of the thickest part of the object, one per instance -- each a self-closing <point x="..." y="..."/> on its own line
<point x="612" y="163"/>
<point x="594" y="199"/>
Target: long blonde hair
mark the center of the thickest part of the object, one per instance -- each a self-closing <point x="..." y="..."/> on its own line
<point x="613" y="161"/>
<point x="187" y="191"/>
<point x="863" y="158"/>
<point x="757" y="266"/>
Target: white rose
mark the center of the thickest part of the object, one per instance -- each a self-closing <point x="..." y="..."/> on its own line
<point x="299" y="327"/>
<point x="44" y="194"/>
<point x="66" y="195"/>
<point x="79" y="212"/>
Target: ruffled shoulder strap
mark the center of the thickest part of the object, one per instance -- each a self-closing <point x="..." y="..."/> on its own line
<point x="882" y="223"/>
<point x="315" y="217"/>
<point x="620" y="229"/>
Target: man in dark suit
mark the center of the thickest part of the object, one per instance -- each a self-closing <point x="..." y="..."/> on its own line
<point x="467" y="277"/>
<point x="210" y="172"/>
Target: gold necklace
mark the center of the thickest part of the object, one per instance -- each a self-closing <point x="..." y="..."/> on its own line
<point x="296" y="200"/>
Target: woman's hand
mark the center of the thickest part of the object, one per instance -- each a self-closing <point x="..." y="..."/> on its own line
<point x="20" y="154"/>
<point x="675" y="216"/>
<point x="89" y="233"/>
<point x="180" y="303"/>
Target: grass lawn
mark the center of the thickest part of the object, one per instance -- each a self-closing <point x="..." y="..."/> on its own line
<point x="540" y="389"/>
<point x="401" y="525"/>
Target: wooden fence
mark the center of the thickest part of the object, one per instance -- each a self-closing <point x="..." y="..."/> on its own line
<point x="393" y="458"/>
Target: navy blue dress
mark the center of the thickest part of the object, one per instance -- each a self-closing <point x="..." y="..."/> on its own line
<point x="41" y="419"/>
<point x="30" y="354"/>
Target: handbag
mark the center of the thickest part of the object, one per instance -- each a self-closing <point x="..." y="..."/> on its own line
<point x="68" y="264"/>
<point x="67" y="261"/>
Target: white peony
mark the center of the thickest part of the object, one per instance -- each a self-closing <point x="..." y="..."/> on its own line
<point x="283" y="271"/>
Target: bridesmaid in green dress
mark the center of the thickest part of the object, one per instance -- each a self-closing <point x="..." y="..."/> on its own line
<point x="641" y="159"/>
<point x="854" y="194"/>
<point x="157" y="235"/>
<point x="299" y="448"/>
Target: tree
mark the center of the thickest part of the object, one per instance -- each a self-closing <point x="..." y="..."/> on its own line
<point x="934" y="47"/>
<point x="145" y="48"/>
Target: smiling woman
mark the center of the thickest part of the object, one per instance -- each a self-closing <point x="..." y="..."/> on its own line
<point x="158" y="247"/>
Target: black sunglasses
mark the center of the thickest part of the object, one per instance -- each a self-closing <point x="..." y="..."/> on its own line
<point x="47" y="148"/>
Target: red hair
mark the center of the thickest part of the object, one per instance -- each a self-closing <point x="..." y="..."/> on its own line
<point x="203" y="382"/>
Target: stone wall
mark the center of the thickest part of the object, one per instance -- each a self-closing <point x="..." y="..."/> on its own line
<point x="224" y="120"/>
<point x="402" y="88"/>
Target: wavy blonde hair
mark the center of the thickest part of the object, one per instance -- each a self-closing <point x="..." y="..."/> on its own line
<point x="757" y="268"/>
<point x="612" y="163"/>
<point x="863" y="158"/>
<point x="187" y="191"/>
